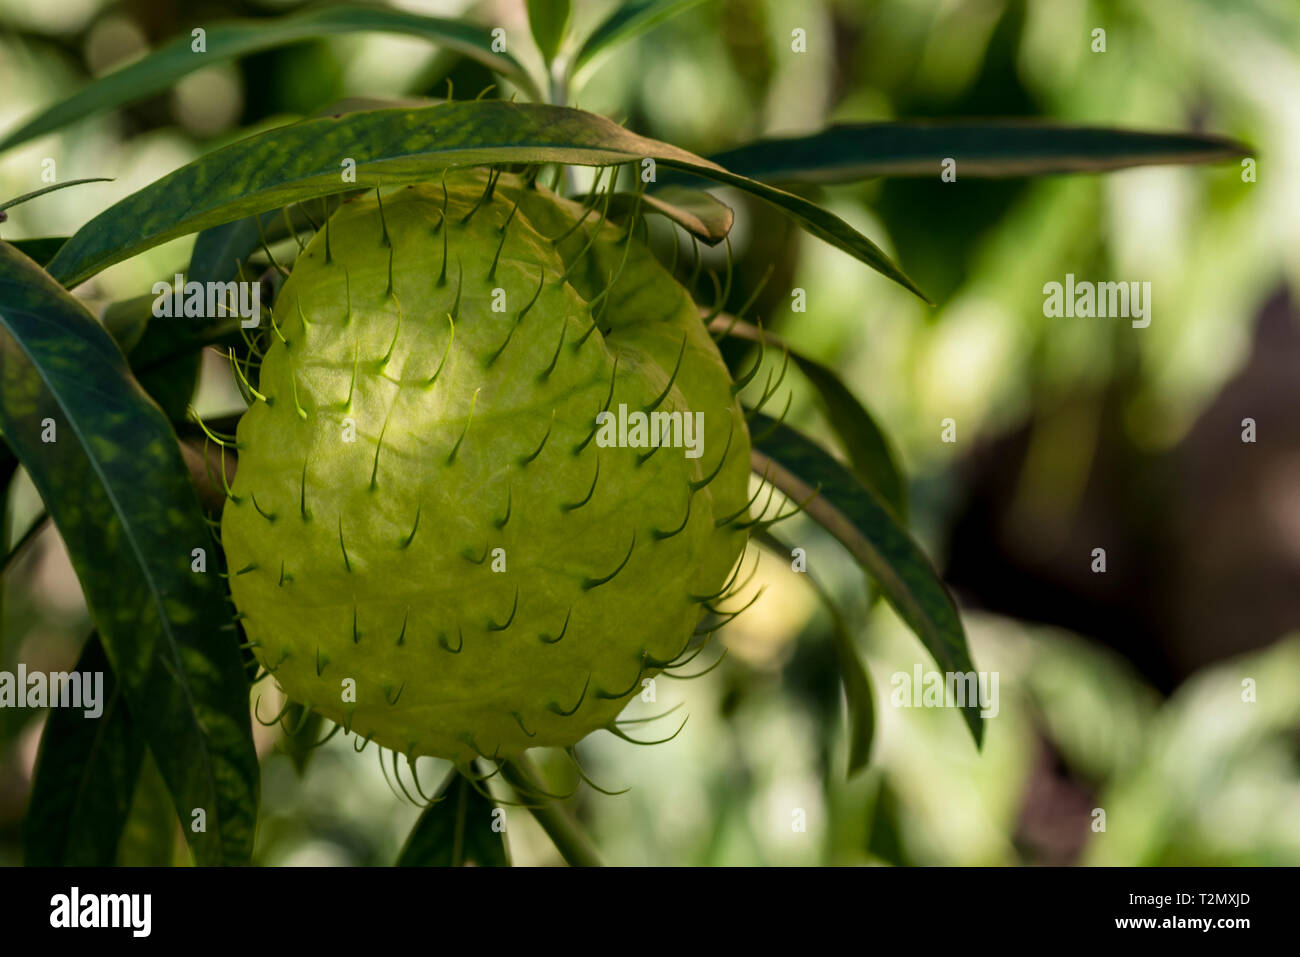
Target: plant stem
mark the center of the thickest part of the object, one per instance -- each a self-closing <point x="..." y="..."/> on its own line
<point x="565" y="833"/>
<point x="557" y="75"/>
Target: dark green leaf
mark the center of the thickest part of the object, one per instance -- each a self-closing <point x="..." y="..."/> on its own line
<point x="42" y="250"/>
<point x="167" y="358"/>
<point x="166" y="354"/>
<point x="981" y="148"/>
<point x="394" y="147"/>
<point x="172" y="385"/>
<point x="863" y="440"/>
<point x="456" y="830"/>
<point x="630" y="18"/>
<point x="549" y="20"/>
<point x="118" y="490"/>
<point x="85" y="777"/>
<point x="219" y="250"/>
<point x="842" y="504"/>
<point x="127" y="320"/>
<point x="885" y="839"/>
<point x="143" y="338"/>
<point x="166" y="342"/>
<point x="224" y="41"/>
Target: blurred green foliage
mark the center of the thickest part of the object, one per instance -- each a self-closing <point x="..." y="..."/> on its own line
<point x="1197" y="777"/>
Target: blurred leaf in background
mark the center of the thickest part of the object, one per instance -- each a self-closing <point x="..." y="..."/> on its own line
<point x="1120" y="693"/>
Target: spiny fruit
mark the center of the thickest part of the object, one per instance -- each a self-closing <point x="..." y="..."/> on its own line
<point x="430" y="537"/>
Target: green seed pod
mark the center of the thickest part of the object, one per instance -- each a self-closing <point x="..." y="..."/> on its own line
<point x="433" y="539"/>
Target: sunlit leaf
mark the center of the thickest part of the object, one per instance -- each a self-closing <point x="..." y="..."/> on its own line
<point x="629" y="19"/>
<point x="549" y="20"/>
<point x="394" y="147"/>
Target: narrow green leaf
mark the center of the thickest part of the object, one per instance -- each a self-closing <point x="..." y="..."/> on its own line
<point x="549" y="20"/>
<point x="628" y="20"/>
<point x="177" y="58"/>
<point x="8" y="204"/>
<point x="456" y="830"/>
<point x="981" y="148"/>
<point x="390" y="148"/>
<point x="868" y="449"/>
<point x="85" y="777"/>
<point x="118" y="490"/>
<point x="842" y="504"/>
<point x="858" y="696"/>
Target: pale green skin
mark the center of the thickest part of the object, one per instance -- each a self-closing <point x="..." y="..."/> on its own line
<point x="391" y="614"/>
